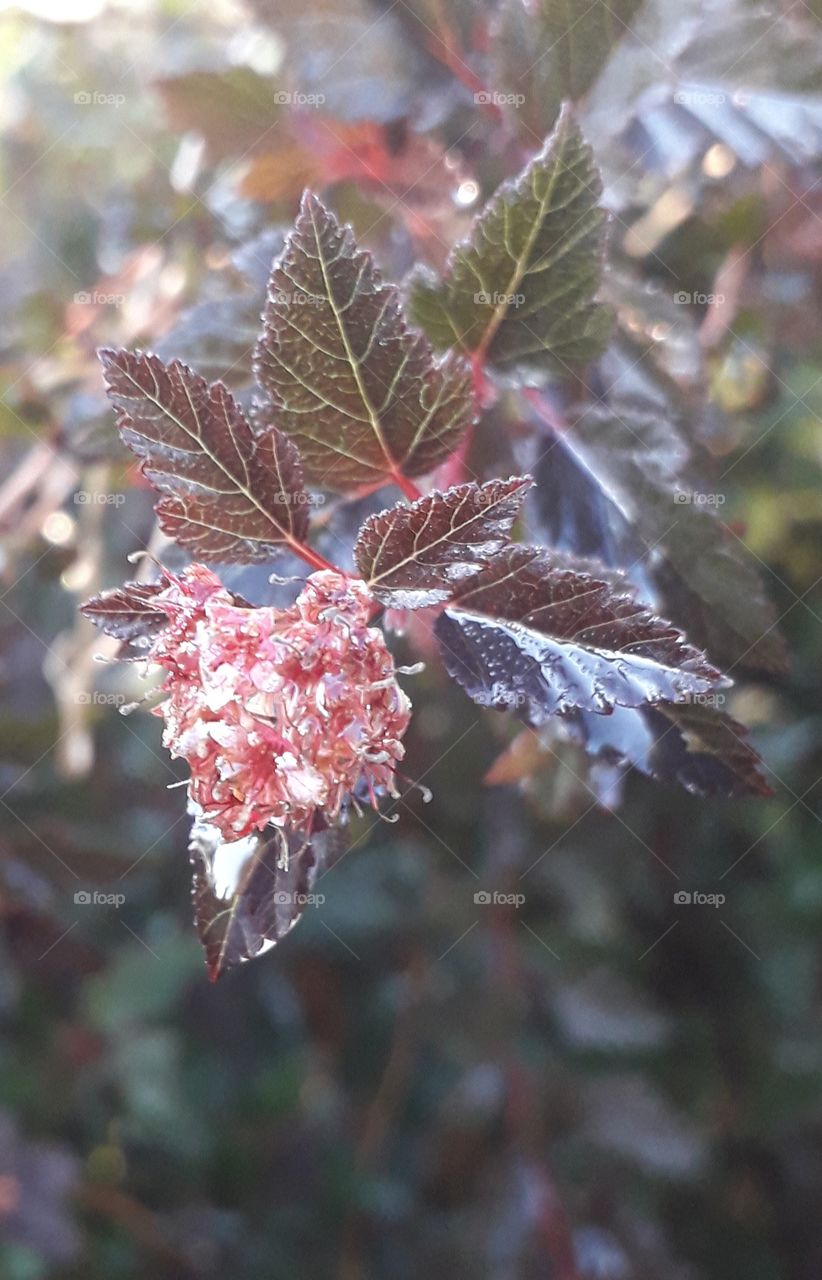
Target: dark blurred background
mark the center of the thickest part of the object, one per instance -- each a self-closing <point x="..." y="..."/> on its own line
<point x="597" y="1083"/>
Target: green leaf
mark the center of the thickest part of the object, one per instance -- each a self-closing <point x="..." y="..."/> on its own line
<point x="360" y="392"/>
<point x="519" y="291"/>
<point x="419" y="555"/>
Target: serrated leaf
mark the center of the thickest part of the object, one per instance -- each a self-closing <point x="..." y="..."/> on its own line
<point x="529" y="635"/>
<point x="520" y="289"/>
<point x="552" y="50"/>
<point x="359" y="391"/>
<point x="228" y="492"/>
<point x="128" y="612"/>
<point x="689" y="744"/>
<point x="705" y="750"/>
<point x="693" y="745"/>
<point x="631" y="466"/>
<point x="417" y="555"/>
<point x="249" y="894"/>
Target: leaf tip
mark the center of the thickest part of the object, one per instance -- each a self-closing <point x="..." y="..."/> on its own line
<point x="109" y="357"/>
<point x="310" y="200"/>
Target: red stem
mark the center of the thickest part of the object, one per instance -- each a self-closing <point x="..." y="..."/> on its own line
<point x="408" y="487"/>
<point x="312" y="557"/>
<point x="455" y="469"/>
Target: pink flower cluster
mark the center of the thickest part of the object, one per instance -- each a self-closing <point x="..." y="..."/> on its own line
<point x="280" y="713"/>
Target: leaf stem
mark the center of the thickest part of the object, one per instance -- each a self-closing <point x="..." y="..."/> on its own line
<point x="408" y="487"/>
<point x="312" y="557"/>
<point x="484" y="389"/>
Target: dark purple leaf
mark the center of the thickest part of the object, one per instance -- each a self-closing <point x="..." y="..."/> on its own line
<point x="418" y="555"/>
<point x="127" y="612"/>
<point x="531" y="635"/>
<point x="626" y="468"/>
<point x="692" y="744"/>
<point x="249" y="894"/>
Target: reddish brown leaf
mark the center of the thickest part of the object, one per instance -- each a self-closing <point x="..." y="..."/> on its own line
<point x="228" y="493"/>
<point x="419" y="555"/>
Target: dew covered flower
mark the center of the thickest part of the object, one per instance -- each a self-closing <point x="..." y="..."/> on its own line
<point x="281" y="714"/>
